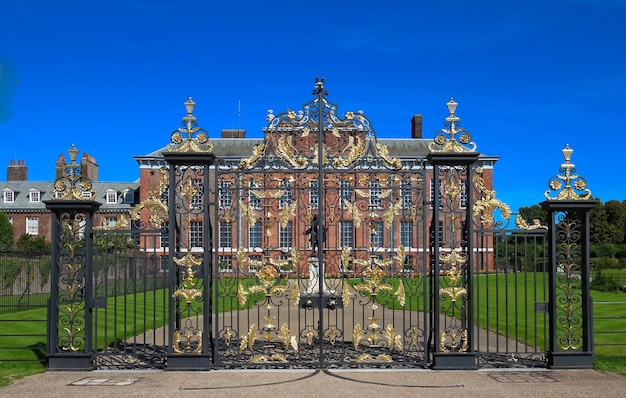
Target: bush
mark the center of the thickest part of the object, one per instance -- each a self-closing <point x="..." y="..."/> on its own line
<point x="603" y="283"/>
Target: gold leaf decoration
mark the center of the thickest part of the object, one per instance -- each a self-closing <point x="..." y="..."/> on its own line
<point x="400" y="294"/>
<point x="289" y="211"/>
<point x="188" y="294"/>
<point x="242" y="295"/>
<point x="354" y="211"/>
<point x="287" y="152"/>
<point x="453" y="292"/>
<point x="383" y="153"/>
<point x="356" y="150"/>
<point x="522" y="224"/>
<point x="357" y="335"/>
<point x="484" y="206"/>
<point x="257" y="153"/>
<point x="391" y="212"/>
<point x="249" y="211"/>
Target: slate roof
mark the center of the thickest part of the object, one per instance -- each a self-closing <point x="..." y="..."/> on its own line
<point x="22" y="201"/>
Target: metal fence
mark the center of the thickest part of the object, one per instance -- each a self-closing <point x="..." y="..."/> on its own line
<point x="24" y="293"/>
<point x="609" y="319"/>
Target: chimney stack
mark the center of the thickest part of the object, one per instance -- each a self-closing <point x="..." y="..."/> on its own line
<point x="60" y="167"/>
<point x="233" y="133"/>
<point x="89" y="167"/>
<point x="17" y="171"/>
<point x="416" y="126"/>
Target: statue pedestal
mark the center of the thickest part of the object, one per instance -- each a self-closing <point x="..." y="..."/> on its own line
<point x="314" y="276"/>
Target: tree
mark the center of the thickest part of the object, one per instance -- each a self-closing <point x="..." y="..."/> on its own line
<point x="532" y="213"/>
<point x="616" y="217"/>
<point x="6" y="233"/>
<point x="28" y="243"/>
<point x="599" y="227"/>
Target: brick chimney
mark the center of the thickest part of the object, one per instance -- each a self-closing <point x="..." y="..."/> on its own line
<point x="233" y="133"/>
<point x="416" y="126"/>
<point x="89" y="167"/>
<point x="17" y="171"/>
<point x="60" y="167"/>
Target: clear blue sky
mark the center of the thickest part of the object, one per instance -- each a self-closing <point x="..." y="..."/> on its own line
<point x="111" y="77"/>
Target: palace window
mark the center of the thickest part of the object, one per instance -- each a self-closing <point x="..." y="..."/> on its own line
<point x="406" y="233"/>
<point x="196" y="199"/>
<point x="32" y="225"/>
<point x="463" y="196"/>
<point x="345" y="190"/>
<point x="111" y="197"/>
<point x="376" y="234"/>
<point x="254" y="200"/>
<point x="406" y="193"/>
<point x="314" y="195"/>
<point x="432" y="193"/>
<point x="226" y="235"/>
<point x="284" y="235"/>
<point x="226" y="194"/>
<point x="9" y="196"/>
<point x="195" y="234"/>
<point x="34" y="196"/>
<point x="255" y="234"/>
<point x="346" y="234"/>
<point x="287" y="197"/>
<point x="376" y="191"/>
<point x="225" y="263"/>
<point x="165" y="237"/>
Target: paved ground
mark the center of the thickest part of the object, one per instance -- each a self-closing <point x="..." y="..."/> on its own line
<point x="320" y="383"/>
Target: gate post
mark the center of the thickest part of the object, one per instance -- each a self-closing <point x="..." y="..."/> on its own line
<point x="571" y="318"/>
<point x="190" y="253"/>
<point x="69" y="343"/>
<point x="452" y="247"/>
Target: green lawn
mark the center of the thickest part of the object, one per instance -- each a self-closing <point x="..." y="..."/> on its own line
<point x="495" y="312"/>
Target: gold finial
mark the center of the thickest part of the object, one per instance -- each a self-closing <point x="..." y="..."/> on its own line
<point x="72" y="185"/>
<point x="569" y="186"/>
<point x="449" y="143"/>
<point x="183" y="139"/>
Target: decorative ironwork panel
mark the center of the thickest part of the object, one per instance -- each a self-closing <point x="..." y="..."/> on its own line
<point x="320" y="247"/>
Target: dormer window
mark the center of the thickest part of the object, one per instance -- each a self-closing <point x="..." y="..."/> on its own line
<point x="9" y="196"/>
<point x="111" y="197"/>
<point x="34" y="196"/>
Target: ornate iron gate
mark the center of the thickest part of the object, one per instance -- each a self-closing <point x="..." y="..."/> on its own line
<point x="318" y="249"/>
<point x="322" y="247"/>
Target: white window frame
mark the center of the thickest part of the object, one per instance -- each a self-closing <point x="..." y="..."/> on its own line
<point x="285" y="235"/>
<point x="287" y="197"/>
<point x="406" y="234"/>
<point x="345" y="191"/>
<point x="32" y="225"/>
<point x="314" y="194"/>
<point x="255" y="235"/>
<point x="196" y="199"/>
<point x="34" y="196"/>
<point x="111" y="196"/>
<point x="196" y="234"/>
<point x="463" y="195"/>
<point x="346" y="231"/>
<point x="225" y="194"/>
<point x="376" y="189"/>
<point x="9" y="196"/>
<point x="226" y="235"/>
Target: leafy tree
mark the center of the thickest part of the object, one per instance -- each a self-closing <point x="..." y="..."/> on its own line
<point x="616" y="217"/>
<point x="6" y="233"/>
<point x="534" y="212"/>
<point x="29" y="243"/>
<point x="599" y="227"/>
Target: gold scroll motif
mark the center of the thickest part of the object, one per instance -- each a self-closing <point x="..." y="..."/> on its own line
<point x="487" y="201"/>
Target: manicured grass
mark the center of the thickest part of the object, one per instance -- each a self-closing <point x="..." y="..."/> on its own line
<point x="499" y="313"/>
